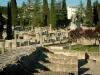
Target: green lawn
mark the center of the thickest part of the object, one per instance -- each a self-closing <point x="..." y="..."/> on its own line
<point x="90" y="48"/>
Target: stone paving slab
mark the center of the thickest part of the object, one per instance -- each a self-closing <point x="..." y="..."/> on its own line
<point x="92" y="68"/>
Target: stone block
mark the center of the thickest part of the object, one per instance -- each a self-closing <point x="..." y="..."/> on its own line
<point x="2" y="46"/>
<point x="68" y="60"/>
<point x="60" y="67"/>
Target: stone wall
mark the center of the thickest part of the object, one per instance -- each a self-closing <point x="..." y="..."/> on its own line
<point x="79" y="54"/>
<point x="84" y="41"/>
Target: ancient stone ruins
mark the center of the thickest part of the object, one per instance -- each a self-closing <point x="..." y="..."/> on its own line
<point x="41" y="51"/>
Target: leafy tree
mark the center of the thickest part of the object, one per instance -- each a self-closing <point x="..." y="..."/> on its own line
<point x="53" y="15"/>
<point x="76" y="34"/>
<point x="20" y="12"/>
<point x="14" y="12"/>
<point x="37" y="12"/>
<point x="30" y="2"/>
<point x="45" y="13"/>
<point x="37" y="5"/>
<point x="89" y="14"/>
<point x="89" y="34"/>
<point x="25" y="13"/>
<point x="3" y="9"/>
<point x="9" y="23"/>
<point x="95" y="12"/>
<point x="80" y="14"/>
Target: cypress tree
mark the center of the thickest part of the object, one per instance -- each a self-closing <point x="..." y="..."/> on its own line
<point x="64" y="12"/>
<point x="81" y="12"/>
<point x="9" y="24"/>
<point x="58" y="14"/>
<point x="2" y="22"/>
<point x="45" y="13"/>
<point x="98" y="8"/>
<point x="98" y="11"/>
<point x="95" y="12"/>
<point x="52" y="15"/>
<point x="89" y="14"/>
<point x="14" y="12"/>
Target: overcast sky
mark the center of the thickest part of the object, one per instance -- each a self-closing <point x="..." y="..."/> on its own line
<point x="69" y="2"/>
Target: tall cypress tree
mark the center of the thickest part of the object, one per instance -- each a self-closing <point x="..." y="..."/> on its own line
<point x="64" y="12"/>
<point x="9" y="24"/>
<point x="95" y="12"/>
<point x="14" y="12"/>
<point x="52" y="15"/>
<point x="58" y="14"/>
<point x="81" y="12"/>
<point x="98" y="8"/>
<point x="89" y="14"/>
<point x="45" y="13"/>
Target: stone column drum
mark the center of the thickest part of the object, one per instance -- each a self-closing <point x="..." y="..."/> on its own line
<point x="2" y="46"/>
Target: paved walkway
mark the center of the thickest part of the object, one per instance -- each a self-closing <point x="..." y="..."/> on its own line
<point x="90" y="68"/>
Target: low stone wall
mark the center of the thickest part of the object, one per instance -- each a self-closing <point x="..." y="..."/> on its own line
<point x="62" y="61"/>
<point x="84" y="41"/>
<point x="58" y="47"/>
<point x="79" y="54"/>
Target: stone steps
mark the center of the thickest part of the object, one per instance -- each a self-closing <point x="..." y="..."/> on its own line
<point x="61" y="61"/>
<point x="56" y="56"/>
<point x="58" y="64"/>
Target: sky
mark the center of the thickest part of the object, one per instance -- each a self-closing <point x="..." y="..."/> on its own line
<point x="69" y="2"/>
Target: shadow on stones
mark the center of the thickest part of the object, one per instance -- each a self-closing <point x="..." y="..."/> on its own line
<point x="83" y="70"/>
<point x="27" y="65"/>
<point x="15" y="70"/>
<point x="46" y="50"/>
<point x="38" y="65"/>
<point x="81" y="62"/>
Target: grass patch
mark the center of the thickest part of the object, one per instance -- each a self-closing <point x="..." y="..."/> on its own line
<point x="90" y="48"/>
